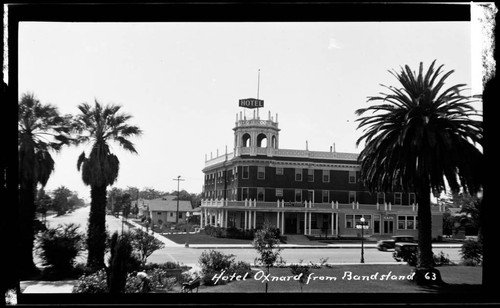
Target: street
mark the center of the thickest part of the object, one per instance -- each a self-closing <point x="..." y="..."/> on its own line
<point x="190" y="256"/>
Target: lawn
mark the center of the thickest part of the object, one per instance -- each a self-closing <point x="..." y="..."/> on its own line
<point x="201" y="238"/>
<point x="354" y="279"/>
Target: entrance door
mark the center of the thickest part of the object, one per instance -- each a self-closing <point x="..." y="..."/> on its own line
<point x="388" y="226"/>
<point x="290" y="223"/>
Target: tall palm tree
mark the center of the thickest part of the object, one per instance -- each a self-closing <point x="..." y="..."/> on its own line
<point x="418" y="138"/>
<point x="100" y="125"/>
<point x="41" y="129"/>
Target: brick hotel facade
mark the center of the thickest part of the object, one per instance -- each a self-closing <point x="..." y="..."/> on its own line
<point x="299" y="191"/>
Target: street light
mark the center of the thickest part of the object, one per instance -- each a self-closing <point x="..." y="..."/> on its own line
<point x="187" y="229"/>
<point x="362" y="225"/>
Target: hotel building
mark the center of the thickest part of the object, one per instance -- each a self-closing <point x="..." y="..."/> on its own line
<point x="299" y="191"/>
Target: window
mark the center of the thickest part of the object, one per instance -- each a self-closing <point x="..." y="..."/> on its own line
<point x="298" y="175"/>
<point x="244" y="193"/>
<point x="158" y="213"/>
<point x="380" y="198"/>
<point x="326" y="176"/>
<point x="348" y="221"/>
<point x="260" y="194"/>
<point x="261" y="173"/>
<point x="180" y="214"/>
<point x="326" y="196"/>
<point x="352" y="196"/>
<point x="407" y="222"/>
<point x="353" y="220"/>
<point x="398" y="198"/>
<point x="171" y="214"/>
<point x="412" y="199"/>
<point x="279" y="192"/>
<point x="245" y="172"/>
<point x="298" y="195"/>
<point x="279" y="171"/>
<point x="352" y="177"/>
<point x="310" y="175"/>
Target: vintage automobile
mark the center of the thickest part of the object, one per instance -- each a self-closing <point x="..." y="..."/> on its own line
<point x="407" y="252"/>
<point x="383" y="245"/>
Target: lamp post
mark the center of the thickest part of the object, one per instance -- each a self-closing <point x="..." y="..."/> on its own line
<point x="362" y="225"/>
<point x="187" y="229"/>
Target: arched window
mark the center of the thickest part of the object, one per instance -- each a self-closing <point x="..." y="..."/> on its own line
<point x="245" y="140"/>
<point x="273" y="142"/>
<point x="262" y="141"/>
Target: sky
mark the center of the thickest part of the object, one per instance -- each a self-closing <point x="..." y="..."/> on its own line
<point x="181" y="82"/>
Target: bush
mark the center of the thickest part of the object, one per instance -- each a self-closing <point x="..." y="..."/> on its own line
<point x="240" y="268"/>
<point x="94" y="283"/>
<point x="442" y="259"/>
<point x="60" y="246"/>
<point x="472" y="253"/>
<point x="302" y="270"/>
<point x="214" y="262"/>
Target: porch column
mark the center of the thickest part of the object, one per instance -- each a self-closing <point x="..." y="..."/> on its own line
<point x="333" y="217"/>
<point x="305" y="223"/>
<point x="201" y="219"/>
<point x="282" y="222"/>
<point x="225" y="219"/>
<point x="254" y="219"/>
<point x="246" y="219"/>
<point x="310" y="214"/>
<point x="337" y="224"/>
<point x="278" y="221"/>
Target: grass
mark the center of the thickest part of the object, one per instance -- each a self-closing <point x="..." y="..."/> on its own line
<point x="458" y="279"/>
<point x="201" y="238"/>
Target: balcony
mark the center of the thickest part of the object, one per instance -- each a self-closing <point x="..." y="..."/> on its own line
<point x="314" y="207"/>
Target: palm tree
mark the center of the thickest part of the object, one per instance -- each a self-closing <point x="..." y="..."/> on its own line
<point x="41" y="129"/>
<point x="100" y="125"/>
<point x="417" y="138"/>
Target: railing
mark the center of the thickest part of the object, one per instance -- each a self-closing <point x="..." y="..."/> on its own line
<point x="355" y="206"/>
<point x="219" y="159"/>
<point x="256" y="122"/>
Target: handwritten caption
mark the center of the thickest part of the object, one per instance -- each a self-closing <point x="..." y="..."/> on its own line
<point x="346" y="275"/>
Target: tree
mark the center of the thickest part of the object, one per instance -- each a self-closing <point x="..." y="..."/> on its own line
<point x="41" y="130"/>
<point x="145" y="244"/>
<point x="126" y="205"/>
<point x="61" y="197"/>
<point x="266" y="242"/>
<point x="101" y="125"/>
<point x="150" y="193"/>
<point x="418" y="136"/>
<point x="43" y="202"/>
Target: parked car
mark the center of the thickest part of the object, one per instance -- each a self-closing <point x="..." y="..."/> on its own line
<point x="383" y="245"/>
<point x="407" y="252"/>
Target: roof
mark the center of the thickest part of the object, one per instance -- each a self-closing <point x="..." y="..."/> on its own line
<point x="168" y="203"/>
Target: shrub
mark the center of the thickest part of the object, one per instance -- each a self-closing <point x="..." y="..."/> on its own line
<point x="60" y="246"/>
<point x="302" y="270"/>
<point x="442" y="259"/>
<point x="93" y="283"/>
<point x="214" y="262"/>
<point x="240" y="268"/>
<point x="472" y="253"/>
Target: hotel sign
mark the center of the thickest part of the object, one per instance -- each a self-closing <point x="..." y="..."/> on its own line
<point x="251" y="103"/>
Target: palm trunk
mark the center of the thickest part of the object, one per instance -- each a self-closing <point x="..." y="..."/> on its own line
<point x="425" y="229"/>
<point x="27" y="237"/>
<point x="96" y="240"/>
<point x="425" y="271"/>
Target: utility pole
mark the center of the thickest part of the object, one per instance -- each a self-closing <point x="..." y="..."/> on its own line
<point x="178" y="179"/>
